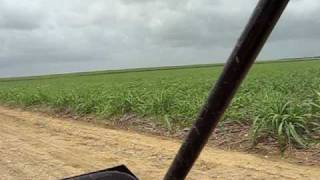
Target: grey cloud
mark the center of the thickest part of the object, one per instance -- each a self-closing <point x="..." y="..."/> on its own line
<point x="55" y="36"/>
<point x="198" y="30"/>
<point x="301" y="21"/>
<point x="19" y="16"/>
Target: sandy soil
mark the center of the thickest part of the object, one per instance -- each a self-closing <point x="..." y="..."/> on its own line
<point x="34" y="146"/>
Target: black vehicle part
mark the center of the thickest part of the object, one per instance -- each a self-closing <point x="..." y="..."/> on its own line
<point x="115" y="173"/>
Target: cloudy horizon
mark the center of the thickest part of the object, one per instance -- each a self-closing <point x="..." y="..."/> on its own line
<point x="55" y="36"/>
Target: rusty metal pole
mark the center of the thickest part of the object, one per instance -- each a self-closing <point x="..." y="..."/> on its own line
<point x="261" y="23"/>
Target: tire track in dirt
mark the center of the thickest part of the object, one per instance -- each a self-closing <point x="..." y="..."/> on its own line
<point x="34" y="146"/>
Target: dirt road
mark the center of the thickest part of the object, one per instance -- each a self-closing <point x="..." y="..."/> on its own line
<point x="34" y="146"/>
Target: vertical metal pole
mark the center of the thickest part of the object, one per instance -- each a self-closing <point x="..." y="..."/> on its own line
<point x="261" y="23"/>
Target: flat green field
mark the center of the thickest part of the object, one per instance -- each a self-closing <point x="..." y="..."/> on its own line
<point x="278" y="99"/>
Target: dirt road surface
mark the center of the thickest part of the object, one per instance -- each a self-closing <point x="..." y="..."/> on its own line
<point x="35" y="146"/>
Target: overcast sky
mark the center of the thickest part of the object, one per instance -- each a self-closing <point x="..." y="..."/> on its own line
<point x="56" y="36"/>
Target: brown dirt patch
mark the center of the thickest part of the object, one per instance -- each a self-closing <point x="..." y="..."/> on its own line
<point x="35" y="146"/>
